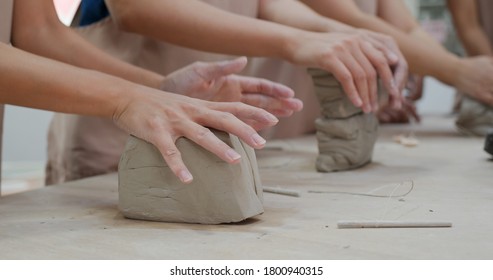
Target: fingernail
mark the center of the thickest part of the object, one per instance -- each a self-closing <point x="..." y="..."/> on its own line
<point x="359" y="102"/>
<point x="232" y="155"/>
<point x="271" y="118"/>
<point x="185" y="176"/>
<point x="393" y="57"/>
<point x="258" y="140"/>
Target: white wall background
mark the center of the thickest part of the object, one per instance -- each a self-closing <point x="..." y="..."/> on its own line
<point x="25" y="134"/>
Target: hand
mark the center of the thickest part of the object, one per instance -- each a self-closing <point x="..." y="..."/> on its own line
<point x="354" y="61"/>
<point x="387" y="114"/>
<point x="216" y="82"/>
<point x="414" y="86"/>
<point x="161" y="118"/>
<point x="387" y="45"/>
<point x="475" y="78"/>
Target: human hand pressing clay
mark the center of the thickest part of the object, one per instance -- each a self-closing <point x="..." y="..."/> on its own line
<point x="220" y="192"/>
<point x="346" y="136"/>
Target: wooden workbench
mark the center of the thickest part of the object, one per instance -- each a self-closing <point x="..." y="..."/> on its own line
<point x="452" y="176"/>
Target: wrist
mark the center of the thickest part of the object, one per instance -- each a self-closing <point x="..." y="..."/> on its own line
<point x="291" y="45"/>
<point x="122" y="96"/>
<point x="452" y="73"/>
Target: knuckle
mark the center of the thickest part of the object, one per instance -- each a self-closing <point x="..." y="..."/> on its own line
<point x="154" y="123"/>
<point x="171" y="153"/>
<point x="372" y="74"/>
<point x="359" y="76"/>
<point x="339" y="48"/>
<point x="380" y="61"/>
<point x="203" y="133"/>
<point x="346" y="78"/>
<point x="199" y="64"/>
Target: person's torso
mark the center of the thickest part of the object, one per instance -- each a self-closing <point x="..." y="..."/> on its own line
<point x="155" y="55"/>
<point x="6" y="7"/>
<point x="367" y="6"/>
<point x="485" y="8"/>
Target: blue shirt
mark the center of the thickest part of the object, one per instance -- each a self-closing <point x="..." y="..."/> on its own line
<point x="92" y="11"/>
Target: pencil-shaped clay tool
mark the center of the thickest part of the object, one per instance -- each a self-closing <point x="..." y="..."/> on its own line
<point x="393" y="224"/>
<point x="282" y="191"/>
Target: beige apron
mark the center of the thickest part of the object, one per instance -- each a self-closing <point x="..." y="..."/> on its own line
<point x="6" y="8"/>
<point x="368" y="6"/>
<point x="86" y="146"/>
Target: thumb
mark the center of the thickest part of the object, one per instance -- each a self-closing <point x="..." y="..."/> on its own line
<point x="214" y="70"/>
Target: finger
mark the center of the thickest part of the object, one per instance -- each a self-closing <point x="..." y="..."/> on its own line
<point x="272" y="105"/>
<point x="384" y="72"/>
<point x="399" y="116"/>
<point x="206" y="139"/>
<point x="360" y="79"/>
<point x="213" y="70"/>
<point x="383" y="117"/>
<point x="411" y="110"/>
<point x="416" y="88"/>
<point x="344" y="76"/>
<point x="388" y="52"/>
<point x="371" y="77"/>
<point x="263" y="86"/>
<point x="172" y="156"/>
<point x="226" y="121"/>
<point x="244" y="112"/>
<point x="401" y="74"/>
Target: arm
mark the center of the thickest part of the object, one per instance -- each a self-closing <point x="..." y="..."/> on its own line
<point x="416" y="53"/>
<point x="187" y="23"/>
<point x="36" y="27"/>
<point x="296" y="14"/>
<point x="473" y="76"/>
<point x="157" y="117"/>
<point x="466" y="21"/>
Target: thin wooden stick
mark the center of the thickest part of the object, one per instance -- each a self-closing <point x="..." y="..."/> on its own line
<point x="392" y="224"/>
<point x="281" y="191"/>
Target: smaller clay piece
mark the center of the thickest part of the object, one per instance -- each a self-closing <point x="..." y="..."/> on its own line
<point x="488" y="144"/>
<point x="475" y="118"/>
<point x="407" y="141"/>
<point x="346" y="136"/>
<point x="219" y="193"/>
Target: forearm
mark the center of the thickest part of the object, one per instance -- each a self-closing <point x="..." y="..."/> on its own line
<point x="467" y="24"/>
<point x="201" y="26"/>
<point x="296" y="14"/>
<point x="36" y="82"/>
<point x="422" y="59"/>
<point x="476" y="43"/>
<point x="424" y="54"/>
<point x="45" y="35"/>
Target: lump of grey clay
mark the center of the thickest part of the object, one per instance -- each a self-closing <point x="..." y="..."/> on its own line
<point x="475" y="118"/>
<point x="219" y="193"/>
<point x="346" y="136"/>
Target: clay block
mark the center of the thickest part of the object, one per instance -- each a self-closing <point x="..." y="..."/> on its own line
<point x="345" y="144"/>
<point x="475" y="118"/>
<point x="219" y="193"/>
<point x="333" y="101"/>
<point x="346" y="136"/>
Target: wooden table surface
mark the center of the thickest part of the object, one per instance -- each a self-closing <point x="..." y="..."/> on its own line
<point x="452" y="178"/>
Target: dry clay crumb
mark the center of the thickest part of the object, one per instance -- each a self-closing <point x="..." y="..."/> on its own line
<point x="407" y="141"/>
